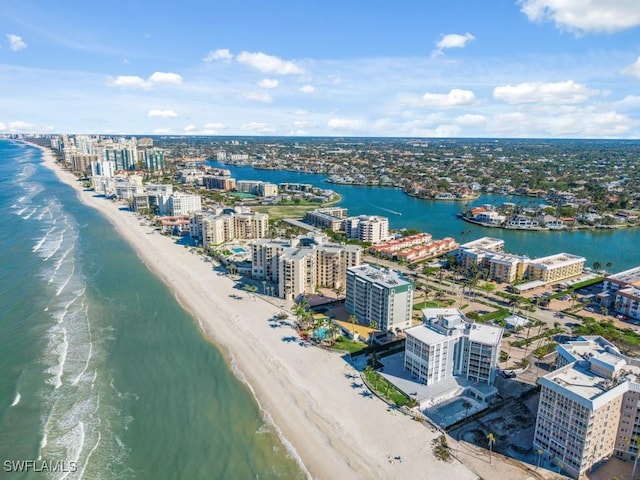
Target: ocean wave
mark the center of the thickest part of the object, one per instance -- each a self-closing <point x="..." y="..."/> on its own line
<point x="16" y="399"/>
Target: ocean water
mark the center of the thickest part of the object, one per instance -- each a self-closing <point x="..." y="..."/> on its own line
<point x="104" y="375"/>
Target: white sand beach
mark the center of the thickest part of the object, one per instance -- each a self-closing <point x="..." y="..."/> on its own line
<point x="336" y="431"/>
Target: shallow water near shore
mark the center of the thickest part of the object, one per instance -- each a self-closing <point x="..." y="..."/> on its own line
<point x="103" y="371"/>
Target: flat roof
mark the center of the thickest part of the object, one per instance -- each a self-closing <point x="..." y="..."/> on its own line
<point x="385" y="277"/>
<point x="523" y="287"/>
<point x="631" y="276"/>
<point x="558" y="260"/>
<point x="484" y="242"/>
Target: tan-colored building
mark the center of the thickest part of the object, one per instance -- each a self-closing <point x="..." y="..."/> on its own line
<point x="588" y="408"/>
<point x="303" y="264"/>
<point x="555" y="268"/>
<point x="234" y="226"/>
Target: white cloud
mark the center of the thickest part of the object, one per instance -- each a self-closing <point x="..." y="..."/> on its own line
<point x="633" y="69"/>
<point x="135" y="81"/>
<point x="269" y="64"/>
<point x="15" y="42"/>
<point x="162" y="114"/>
<point x="567" y="92"/>
<point x="584" y="16"/>
<point x="257" y="127"/>
<point x="162" y="131"/>
<point x="128" y="81"/>
<point x="452" y="40"/>
<point x="18" y="126"/>
<point x="344" y="124"/>
<point x="471" y="120"/>
<point x="258" y="97"/>
<point x="304" y="124"/>
<point x="190" y="129"/>
<point x="166" y="78"/>
<point x="268" y="83"/>
<point x="222" y="55"/>
<point x="455" y="98"/>
<point x="307" y="89"/>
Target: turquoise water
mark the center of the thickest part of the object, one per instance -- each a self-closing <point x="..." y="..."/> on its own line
<point x="620" y="247"/>
<point x="100" y="364"/>
<point x="238" y="250"/>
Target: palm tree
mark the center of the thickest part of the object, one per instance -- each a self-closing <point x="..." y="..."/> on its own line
<point x="352" y="319"/>
<point x="539" y="452"/>
<point x="264" y="286"/>
<point x="609" y="266"/>
<point x="466" y="405"/>
<point x="491" y="439"/>
<point x="597" y="265"/>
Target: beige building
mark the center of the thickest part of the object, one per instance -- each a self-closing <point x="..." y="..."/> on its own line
<point x="234" y="226"/>
<point x="303" y="264"/>
<point x="487" y="254"/>
<point x="588" y="408"/>
<point x="555" y="267"/>
<point x="329" y="218"/>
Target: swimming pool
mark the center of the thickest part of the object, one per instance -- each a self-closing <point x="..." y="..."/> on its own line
<point x="239" y="250"/>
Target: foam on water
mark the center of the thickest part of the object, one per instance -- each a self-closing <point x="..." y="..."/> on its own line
<point x="42" y="240"/>
<point x="16" y="399"/>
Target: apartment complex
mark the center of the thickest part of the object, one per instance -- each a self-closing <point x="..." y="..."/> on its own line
<point x="329" y="218"/>
<point x="215" y="229"/>
<point x="178" y="203"/>
<point x="257" y="187"/>
<point x="487" y="254"/>
<point x="449" y="345"/>
<point x="303" y="264"/>
<point x="367" y="228"/>
<point x="588" y="408"/>
<point x="621" y="292"/>
<point x="380" y="297"/>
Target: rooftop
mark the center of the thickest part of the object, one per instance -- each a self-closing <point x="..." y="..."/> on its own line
<point x="630" y="277"/>
<point x="558" y="260"/>
<point x="385" y="277"/>
<point x="484" y="242"/>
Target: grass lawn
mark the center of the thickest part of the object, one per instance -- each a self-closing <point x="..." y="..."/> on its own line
<point x="385" y="388"/>
<point x="347" y="345"/>
<point x="433" y="304"/>
<point x="278" y="212"/>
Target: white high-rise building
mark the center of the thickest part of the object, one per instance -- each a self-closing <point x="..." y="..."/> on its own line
<point x="367" y="228"/>
<point x="449" y="345"/>
<point x="179" y="203"/>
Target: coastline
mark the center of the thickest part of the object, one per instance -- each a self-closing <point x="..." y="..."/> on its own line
<point x="333" y="430"/>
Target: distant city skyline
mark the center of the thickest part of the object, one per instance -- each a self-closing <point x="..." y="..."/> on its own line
<point x="462" y="68"/>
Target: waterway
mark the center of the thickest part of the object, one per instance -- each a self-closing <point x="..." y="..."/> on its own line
<point x="438" y="217"/>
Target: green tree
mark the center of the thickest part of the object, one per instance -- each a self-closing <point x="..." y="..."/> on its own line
<point x="491" y="439"/>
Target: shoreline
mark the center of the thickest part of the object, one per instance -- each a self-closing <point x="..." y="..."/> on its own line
<point x="305" y="394"/>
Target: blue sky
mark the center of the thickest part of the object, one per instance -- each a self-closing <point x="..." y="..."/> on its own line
<point x="443" y="68"/>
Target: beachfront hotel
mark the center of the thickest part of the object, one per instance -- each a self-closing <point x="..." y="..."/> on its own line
<point x="449" y="345"/>
<point x="588" y="408"/>
<point x="303" y="264"/>
<point x="379" y="297"/>
<point x="178" y="203"/>
<point x="216" y="228"/>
